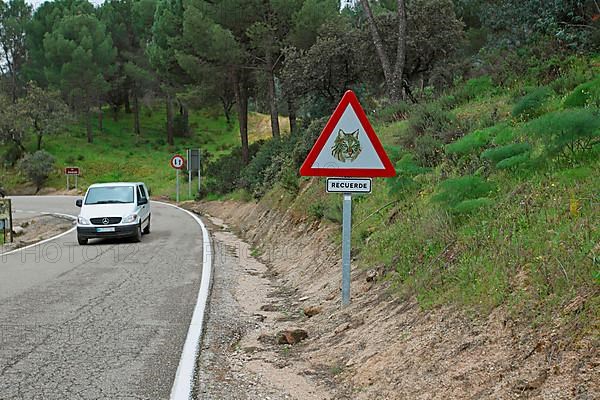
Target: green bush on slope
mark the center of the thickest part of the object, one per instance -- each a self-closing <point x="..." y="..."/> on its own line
<point x="568" y="132"/>
<point x="531" y="105"/>
<point x="585" y="95"/>
<point x="464" y="194"/>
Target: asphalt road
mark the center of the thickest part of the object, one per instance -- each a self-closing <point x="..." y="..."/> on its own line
<point x="103" y="321"/>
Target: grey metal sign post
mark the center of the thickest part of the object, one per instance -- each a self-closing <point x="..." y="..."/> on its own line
<point x="193" y="156"/>
<point x="177" y="185"/>
<point x="346" y="245"/>
<point x="347" y="186"/>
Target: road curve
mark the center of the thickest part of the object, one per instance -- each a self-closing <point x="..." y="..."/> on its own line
<point x="103" y="321"/>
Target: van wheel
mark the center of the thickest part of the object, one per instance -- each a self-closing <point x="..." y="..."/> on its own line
<point x="82" y="241"/>
<point x="147" y="228"/>
<point x="138" y="234"/>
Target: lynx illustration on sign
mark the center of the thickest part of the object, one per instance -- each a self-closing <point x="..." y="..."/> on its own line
<point x="346" y="146"/>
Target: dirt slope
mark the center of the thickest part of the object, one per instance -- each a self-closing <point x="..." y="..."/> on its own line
<point x="382" y="347"/>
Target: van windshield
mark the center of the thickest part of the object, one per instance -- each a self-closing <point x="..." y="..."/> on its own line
<point x="110" y="195"/>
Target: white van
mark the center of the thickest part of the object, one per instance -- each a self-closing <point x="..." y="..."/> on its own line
<point x="114" y="210"/>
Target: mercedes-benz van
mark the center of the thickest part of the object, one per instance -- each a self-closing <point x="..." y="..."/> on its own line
<point x="114" y="210"/>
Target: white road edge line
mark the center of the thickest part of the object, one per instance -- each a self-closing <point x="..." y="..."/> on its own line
<point x="74" y="218"/>
<point x="184" y="378"/>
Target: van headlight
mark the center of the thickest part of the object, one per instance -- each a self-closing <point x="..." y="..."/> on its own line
<point x="82" y="221"/>
<point x="130" y="218"/>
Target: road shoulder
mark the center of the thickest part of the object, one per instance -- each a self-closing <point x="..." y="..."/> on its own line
<point x="240" y="357"/>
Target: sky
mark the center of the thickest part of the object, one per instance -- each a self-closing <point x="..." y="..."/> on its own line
<point x="36" y="3"/>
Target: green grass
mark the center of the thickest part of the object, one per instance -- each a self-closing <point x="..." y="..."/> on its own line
<point x="117" y="154"/>
<point x="532" y="251"/>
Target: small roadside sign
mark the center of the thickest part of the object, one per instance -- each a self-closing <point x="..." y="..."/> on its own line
<point x="72" y="171"/>
<point x="348" y="151"/>
<point x="177" y="161"/>
<point x="348" y="185"/>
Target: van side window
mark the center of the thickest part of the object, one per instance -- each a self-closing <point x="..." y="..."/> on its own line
<point x="141" y="192"/>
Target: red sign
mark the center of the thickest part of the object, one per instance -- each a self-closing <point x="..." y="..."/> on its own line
<point x="348" y="146"/>
<point x="177" y="161"/>
<point x="72" y="171"/>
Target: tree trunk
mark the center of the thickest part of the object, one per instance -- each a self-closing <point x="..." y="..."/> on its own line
<point x="272" y="95"/>
<point x="170" y="130"/>
<point x="292" y="116"/>
<point x="136" y="115"/>
<point x="88" y="126"/>
<point x="127" y="105"/>
<point x="115" y="113"/>
<point x="14" y="85"/>
<point x="241" y="101"/>
<point x="393" y="78"/>
<point x="227" y="109"/>
<point x="184" y="112"/>
<point x="400" y="50"/>
<point x="100" y="120"/>
<point x="39" y="141"/>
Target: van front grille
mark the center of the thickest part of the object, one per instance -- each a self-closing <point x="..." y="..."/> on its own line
<point x="106" y="221"/>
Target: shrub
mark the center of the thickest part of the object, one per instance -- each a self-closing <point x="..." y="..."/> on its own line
<point x="316" y="210"/>
<point x="38" y="167"/>
<point x="430" y="119"/>
<point x="334" y="212"/>
<point x="448" y="102"/>
<point x="470" y="143"/>
<point x="224" y="174"/>
<point x="467" y="206"/>
<point x="12" y="154"/>
<point x="585" y="95"/>
<point x="566" y="132"/>
<point x="265" y="169"/>
<point x="476" y="88"/>
<point x="288" y="178"/>
<point x="531" y="105"/>
<point x="498" y="154"/>
<point x="429" y="150"/>
<point x="464" y="194"/>
<point x="514" y="161"/>
<point x="504" y="134"/>
<point x="406" y="170"/>
<point x="394" y="112"/>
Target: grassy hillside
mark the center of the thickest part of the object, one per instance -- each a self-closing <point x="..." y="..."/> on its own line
<point x="117" y="154"/>
<point x="475" y="227"/>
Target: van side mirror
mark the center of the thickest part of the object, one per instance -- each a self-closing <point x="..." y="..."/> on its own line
<point x="142" y="202"/>
<point x="78" y="202"/>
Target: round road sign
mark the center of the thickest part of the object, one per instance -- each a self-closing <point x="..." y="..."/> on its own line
<point x="177" y="161"/>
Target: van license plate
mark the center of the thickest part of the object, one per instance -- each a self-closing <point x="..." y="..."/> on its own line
<point x="99" y="230"/>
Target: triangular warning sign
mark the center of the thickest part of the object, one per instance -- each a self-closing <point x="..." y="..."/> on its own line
<point x="348" y="146"/>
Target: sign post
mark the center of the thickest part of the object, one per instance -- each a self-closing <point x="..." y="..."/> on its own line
<point x="177" y="162"/>
<point x="348" y="151"/>
<point x="76" y="171"/>
<point x="193" y="157"/>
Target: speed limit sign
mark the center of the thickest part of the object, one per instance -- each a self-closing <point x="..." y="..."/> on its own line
<point x="177" y="161"/>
